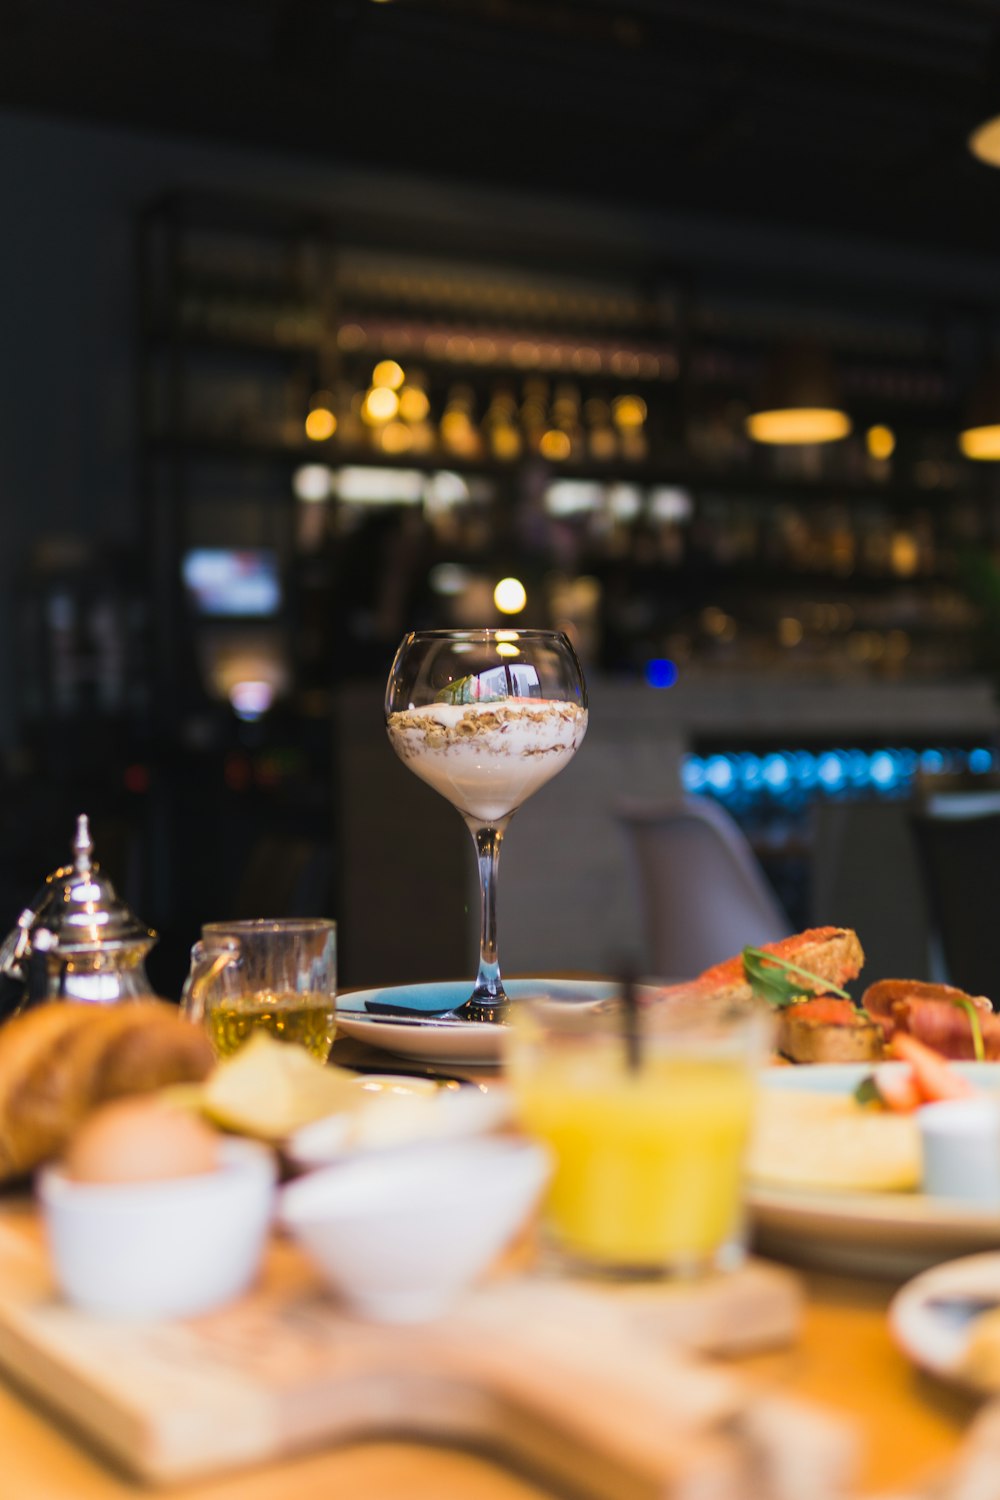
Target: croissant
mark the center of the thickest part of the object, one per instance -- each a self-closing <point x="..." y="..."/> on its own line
<point x="60" y="1060"/>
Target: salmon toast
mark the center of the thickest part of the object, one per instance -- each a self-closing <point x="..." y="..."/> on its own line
<point x="828" y="1030"/>
<point x="832" y="954"/>
<point x="821" y="1027"/>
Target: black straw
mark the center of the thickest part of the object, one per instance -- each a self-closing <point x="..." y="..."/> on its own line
<point x="630" y="1021"/>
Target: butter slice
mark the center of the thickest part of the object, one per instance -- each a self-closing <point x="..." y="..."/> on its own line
<point x="827" y="1142"/>
<point x="270" y="1089"/>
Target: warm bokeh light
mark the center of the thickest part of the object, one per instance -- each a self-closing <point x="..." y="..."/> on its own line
<point x="387" y="373"/>
<point x="603" y="442"/>
<point x="380" y="405"/>
<point x="457" y="430"/>
<point x="904" y="554"/>
<point x="396" y="437"/>
<point x="507" y="648"/>
<point x="880" y="441"/>
<point x="505" y="440"/>
<point x="510" y="596"/>
<point x="554" y="444"/>
<point x="799" y="424"/>
<point x="320" y="424"/>
<point x="984" y="142"/>
<point x="413" y="404"/>
<point x="981" y="442"/>
<point x="628" y="411"/>
<point x="249" y="674"/>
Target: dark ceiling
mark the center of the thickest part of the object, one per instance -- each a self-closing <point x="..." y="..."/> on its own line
<point x="827" y="114"/>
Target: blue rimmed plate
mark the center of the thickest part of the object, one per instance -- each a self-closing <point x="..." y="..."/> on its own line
<point x="413" y="1030"/>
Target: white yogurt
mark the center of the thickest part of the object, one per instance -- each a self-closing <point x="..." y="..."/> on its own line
<point x="488" y="758"/>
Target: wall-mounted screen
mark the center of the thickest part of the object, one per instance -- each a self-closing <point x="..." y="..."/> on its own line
<point x="223" y="581"/>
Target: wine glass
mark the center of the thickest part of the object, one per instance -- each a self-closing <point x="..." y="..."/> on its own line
<point x="486" y="717"/>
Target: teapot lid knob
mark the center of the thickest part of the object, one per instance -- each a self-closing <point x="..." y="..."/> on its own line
<point x="83" y="845"/>
<point x="84" y="912"/>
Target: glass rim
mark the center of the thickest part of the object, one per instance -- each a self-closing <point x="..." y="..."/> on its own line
<point x="271" y="924"/>
<point x="486" y="633"/>
<point x="689" y="1018"/>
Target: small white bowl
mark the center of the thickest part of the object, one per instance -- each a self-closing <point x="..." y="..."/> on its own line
<point x="400" y="1235"/>
<point x="397" y="1117"/>
<point x="166" y="1249"/>
<point x="960" y="1143"/>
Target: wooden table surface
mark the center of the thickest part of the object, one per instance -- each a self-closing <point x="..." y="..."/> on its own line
<point x="910" y="1426"/>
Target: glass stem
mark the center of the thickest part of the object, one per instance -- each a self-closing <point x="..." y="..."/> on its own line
<point x="489" y="990"/>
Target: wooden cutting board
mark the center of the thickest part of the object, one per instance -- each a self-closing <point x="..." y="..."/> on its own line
<point x="606" y="1394"/>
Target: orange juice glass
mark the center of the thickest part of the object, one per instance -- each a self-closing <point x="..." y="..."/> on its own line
<point x="648" y="1140"/>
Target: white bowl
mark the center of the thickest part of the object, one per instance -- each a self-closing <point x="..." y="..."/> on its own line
<point x="960" y="1144"/>
<point x="397" y="1116"/>
<point x="400" y="1235"/>
<point x="164" y="1249"/>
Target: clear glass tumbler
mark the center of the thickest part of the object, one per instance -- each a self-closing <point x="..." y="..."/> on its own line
<point x="647" y="1112"/>
<point x="275" y="975"/>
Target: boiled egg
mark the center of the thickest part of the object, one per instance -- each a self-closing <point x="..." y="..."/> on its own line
<point x="140" y="1140"/>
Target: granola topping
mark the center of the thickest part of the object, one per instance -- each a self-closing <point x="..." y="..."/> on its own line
<point x="487" y="758"/>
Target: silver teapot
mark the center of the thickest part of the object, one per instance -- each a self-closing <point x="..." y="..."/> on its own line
<point x="76" y="941"/>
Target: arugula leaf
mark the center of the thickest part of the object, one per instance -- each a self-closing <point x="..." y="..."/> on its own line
<point x="767" y="981"/>
<point x="974" y="1025"/>
<point x="462" y="690"/>
<point x="867" y="1091"/>
<point x="767" y="976"/>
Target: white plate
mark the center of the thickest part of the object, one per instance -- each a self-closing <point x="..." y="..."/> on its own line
<point x="405" y="1113"/>
<point x="882" y="1234"/>
<point x="462" y="1042"/>
<point x="927" y="1320"/>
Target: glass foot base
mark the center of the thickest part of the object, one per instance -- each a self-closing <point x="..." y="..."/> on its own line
<point x="488" y="1010"/>
<point x="557" y="1260"/>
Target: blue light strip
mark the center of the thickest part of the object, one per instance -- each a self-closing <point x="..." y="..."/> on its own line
<point x="791" y="777"/>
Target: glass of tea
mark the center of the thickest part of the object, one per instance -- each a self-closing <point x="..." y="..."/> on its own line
<point x="278" y="976"/>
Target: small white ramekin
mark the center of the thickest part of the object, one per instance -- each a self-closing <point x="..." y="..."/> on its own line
<point x="166" y="1249"/>
<point x="399" y="1235"/>
<point x="960" y="1142"/>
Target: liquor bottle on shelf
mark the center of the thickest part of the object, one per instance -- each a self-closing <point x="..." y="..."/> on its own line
<point x="503" y="435"/>
<point x="601" y="437"/>
<point x="564" y="418"/>
<point x="459" y="433"/>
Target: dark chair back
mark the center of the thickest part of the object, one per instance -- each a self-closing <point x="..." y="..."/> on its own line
<point x="960" y="860"/>
<point x="704" y="894"/>
<point x="865" y="873"/>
